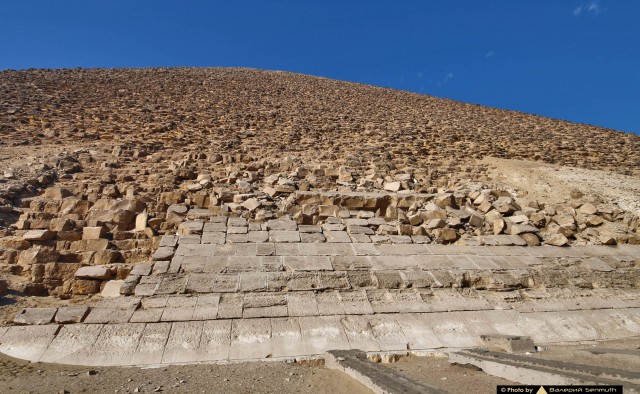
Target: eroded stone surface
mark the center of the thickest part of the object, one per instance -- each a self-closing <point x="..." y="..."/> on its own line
<point x="280" y="239"/>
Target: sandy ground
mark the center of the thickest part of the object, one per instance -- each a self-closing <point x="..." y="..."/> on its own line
<point x="275" y="377"/>
<point x="553" y="184"/>
<point x="437" y="372"/>
<point x="577" y="353"/>
<point x="265" y="377"/>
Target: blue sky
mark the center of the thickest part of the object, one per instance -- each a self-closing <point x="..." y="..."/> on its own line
<point x="577" y="60"/>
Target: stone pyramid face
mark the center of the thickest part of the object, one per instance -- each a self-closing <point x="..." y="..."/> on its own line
<point x="234" y="214"/>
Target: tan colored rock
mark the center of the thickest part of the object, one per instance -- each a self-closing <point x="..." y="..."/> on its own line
<point x="595" y="221"/>
<point x="531" y="239"/>
<point x="39" y="235"/>
<point x="37" y="255"/>
<point x="288" y="140"/>
<point x="476" y="220"/>
<point x="135" y="205"/>
<point x="251" y="204"/>
<point x="557" y="240"/>
<point x="415" y="219"/>
<point x="435" y="223"/>
<point x="607" y="239"/>
<point x="103" y="257"/>
<point x="11" y="242"/>
<point x="444" y="200"/>
<point x="392" y="186"/>
<point x="57" y="193"/>
<point x="111" y="289"/>
<point x="190" y="227"/>
<point x="61" y="224"/>
<point x="75" y="206"/>
<point x="93" y="272"/>
<point x="405" y="229"/>
<point x="446" y="235"/>
<point x="455" y="222"/>
<point x="280" y="189"/>
<point x="518" y="229"/>
<point x="328" y="210"/>
<point x="588" y="209"/>
<point x="96" y="232"/>
<point x="85" y="286"/>
<point x="141" y="221"/>
<point x="485" y="207"/>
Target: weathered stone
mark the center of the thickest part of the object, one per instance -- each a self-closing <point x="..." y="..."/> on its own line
<point x="557" y="240"/>
<point x="94" y="272"/>
<point x="531" y="239"/>
<point x="190" y="227"/>
<point x="39" y="235"/>
<point x="141" y="221"/>
<point x="4" y="287"/>
<point x="93" y="233"/>
<point x="163" y="253"/>
<point x="251" y="204"/>
<point x="35" y="316"/>
<point x="112" y="288"/>
<point x="588" y="209"/>
<point x="85" y="286"/>
<point x="71" y="314"/>
<point x="446" y="234"/>
<point x="37" y="255"/>
<point x="392" y="186"/>
<point x="61" y="224"/>
<point x="607" y="239"/>
<point x="57" y="193"/>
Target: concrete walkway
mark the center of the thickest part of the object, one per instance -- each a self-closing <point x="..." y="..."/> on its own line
<point x="256" y="301"/>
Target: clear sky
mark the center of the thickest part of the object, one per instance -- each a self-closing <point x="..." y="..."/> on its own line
<point x="577" y="60"/>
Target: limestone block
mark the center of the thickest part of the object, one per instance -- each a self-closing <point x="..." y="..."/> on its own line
<point x="37" y="255"/>
<point x="190" y="227"/>
<point x="39" y="235"/>
<point x="163" y="253"/>
<point x="557" y="240"/>
<point x="93" y="272"/>
<point x="446" y="234"/>
<point x="141" y="221"/>
<point x="71" y="314"/>
<point x="35" y="316"/>
<point x="89" y="233"/>
<point x="392" y="186"/>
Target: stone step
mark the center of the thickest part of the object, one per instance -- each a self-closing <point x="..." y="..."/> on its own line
<point x="185" y="247"/>
<point x="300" y="337"/>
<point x="214" y="306"/>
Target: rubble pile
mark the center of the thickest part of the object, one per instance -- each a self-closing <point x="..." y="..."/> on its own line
<point x="134" y="155"/>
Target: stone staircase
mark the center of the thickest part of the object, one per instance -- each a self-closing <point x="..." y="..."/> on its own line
<point x="266" y="294"/>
